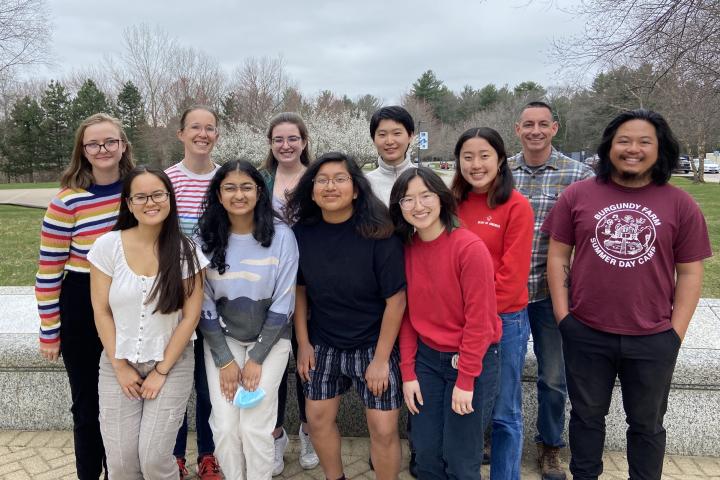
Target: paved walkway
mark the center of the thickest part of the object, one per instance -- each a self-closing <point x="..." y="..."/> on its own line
<point x="49" y="455"/>
<point x="31" y="197"/>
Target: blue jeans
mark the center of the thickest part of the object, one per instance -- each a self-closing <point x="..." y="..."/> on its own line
<point x="507" y="420"/>
<point x="551" y="386"/>
<point x="448" y="445"/>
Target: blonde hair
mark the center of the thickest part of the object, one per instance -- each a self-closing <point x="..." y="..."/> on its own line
<point x="79" y="173"/>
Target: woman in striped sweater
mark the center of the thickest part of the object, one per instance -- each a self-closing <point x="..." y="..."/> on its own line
<point x="85" y="208"/>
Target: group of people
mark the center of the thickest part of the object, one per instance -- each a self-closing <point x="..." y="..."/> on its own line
<point x="388" y="282"/>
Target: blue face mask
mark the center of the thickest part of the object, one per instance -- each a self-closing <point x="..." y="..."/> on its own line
<point x="246" y="399"/>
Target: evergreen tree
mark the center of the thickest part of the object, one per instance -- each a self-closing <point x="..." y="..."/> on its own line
<point x="433" y="91"/>
<point x="57" y="133"/>
<point x="88" y="101"/>
<point x="21" y="138"/>
<point x="130" y="111"/>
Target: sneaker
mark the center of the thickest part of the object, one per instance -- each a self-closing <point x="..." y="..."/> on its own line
<point x="208" y="468"/>
<point x="308" y="457"/>
<point x="281" y="444"/>
<point x="549" y="462"/>
<point x="181" y="466"/>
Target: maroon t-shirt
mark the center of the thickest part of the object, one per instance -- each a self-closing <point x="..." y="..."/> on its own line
<point x="627" y="242"/>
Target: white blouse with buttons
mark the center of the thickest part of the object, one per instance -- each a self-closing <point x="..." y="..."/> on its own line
<point x="140" y="334"/>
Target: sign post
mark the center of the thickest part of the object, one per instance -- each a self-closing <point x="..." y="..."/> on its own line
<point x="422" y="144"/>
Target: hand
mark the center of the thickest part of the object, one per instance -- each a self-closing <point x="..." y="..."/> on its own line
<point x="377" y="376"/>
<point x="411" y="392"/>
<point x="50" y="351"/>
<point x="230" y="378"/>
<point x="152" y="384"/>
<point x="251" y="375"/>
<point x="129" y="379"/>
<point x="462" y="401"/>
<point x="305" y="361"/>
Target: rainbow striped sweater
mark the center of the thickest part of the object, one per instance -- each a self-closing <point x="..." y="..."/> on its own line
<point x="74" y="219"/>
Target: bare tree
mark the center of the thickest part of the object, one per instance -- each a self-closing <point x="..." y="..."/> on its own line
<point x="196" y="77"/>
<point x="24" y="33"/>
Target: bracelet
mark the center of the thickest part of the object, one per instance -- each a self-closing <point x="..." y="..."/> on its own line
<point x="159" y="372"/>
<point x="227" y="364"/>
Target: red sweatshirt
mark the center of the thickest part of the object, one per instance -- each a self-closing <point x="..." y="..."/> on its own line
<point x="507" y="231"/>
<point x="451" y="302"/>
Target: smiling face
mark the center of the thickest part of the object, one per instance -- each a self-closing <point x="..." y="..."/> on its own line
<point x="479" y="164"/>
<point x="421" y="209"/>
<point x="333" y="192"/>
<point x="199" y="134"/>
<point x="239" y="195"/>
<point x="103" y="161"/>
<point x="156" y="205"/>
<point x="633" y="153"/>
<point x="536" y="130"/>
<point x="392" y="141"/>
<point x="287" y="144"/>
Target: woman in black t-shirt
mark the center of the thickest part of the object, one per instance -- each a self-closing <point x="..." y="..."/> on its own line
<point x="352" y="278"/>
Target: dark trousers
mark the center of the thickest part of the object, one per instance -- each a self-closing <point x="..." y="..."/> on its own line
<point x="81" y="348"/>
<point x="448" y="445"/>
<point x="282" y="391"/>
<point x="644" y="364"/>
<point x="205" y="444"/>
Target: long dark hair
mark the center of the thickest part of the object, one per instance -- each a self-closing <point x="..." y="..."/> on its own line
<point x="502" y="186"/>
<point x="271" y="162"/>
<point x="435" y="184"/>
<point x="371" y="216"/>
<point x="169" y="288"/>
<point x="668" y="147"/>
<point x="214" y="226"/>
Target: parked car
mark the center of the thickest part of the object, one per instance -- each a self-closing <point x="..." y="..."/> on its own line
<point x="711" y="167"/>
<point x="683" y="165"/>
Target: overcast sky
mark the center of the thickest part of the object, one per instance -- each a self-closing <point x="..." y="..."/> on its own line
<point x="350" y="47"/>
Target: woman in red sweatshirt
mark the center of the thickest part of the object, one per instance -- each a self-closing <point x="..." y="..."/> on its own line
<point x="449" y="352"/>
<point x="503" y="218"/>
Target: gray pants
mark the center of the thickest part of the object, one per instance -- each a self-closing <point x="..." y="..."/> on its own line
<point x="139" y="435"/>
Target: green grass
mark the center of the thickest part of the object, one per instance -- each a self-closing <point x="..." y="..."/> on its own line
<point x="17" y="186"/>
<point x="19" y="244"/>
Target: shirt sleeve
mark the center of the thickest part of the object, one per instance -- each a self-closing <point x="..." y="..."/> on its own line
<point x="692" y="242"/>
<point x="277" y="322"/>
<point x="55" y="239"/>
<point x="211" y="327"/>
<point x="558" y="223"/>
<point x="389" y="266"/>
<point x="408" y="340"/>
<point x="102" y="253"/>
<point x="514" y="267"/>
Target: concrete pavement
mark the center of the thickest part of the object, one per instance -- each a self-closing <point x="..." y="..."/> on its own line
<point x="31" y="197"/>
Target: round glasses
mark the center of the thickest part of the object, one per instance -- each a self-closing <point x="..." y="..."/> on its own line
<point x="426" y="199"/>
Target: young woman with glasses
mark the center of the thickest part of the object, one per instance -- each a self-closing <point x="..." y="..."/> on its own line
<point x="449" y="338"/>
<point x="351" y="279"/>
<point x="85" y="207"/>
<point x="246" y="314"/>
<point x="146" y="284"/>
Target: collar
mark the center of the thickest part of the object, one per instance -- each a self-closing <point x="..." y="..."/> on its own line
<point x="518" y="162"/>
<point x="388" y="169"/>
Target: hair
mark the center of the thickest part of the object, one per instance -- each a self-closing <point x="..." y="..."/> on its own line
<point x="214" y="225"/>
<point x="371" y="216"/>
<point x="538" y="104"/>
<point x="169" y="288"/>
<point x="435" y="184"/>
<point x="395" y="113"/>
<point x="192" y="108"/>
<point x="271" y="162"/>
<point x="502" y="186"/>
<point x="668" y="147"/>
<point x="79" y="173"/>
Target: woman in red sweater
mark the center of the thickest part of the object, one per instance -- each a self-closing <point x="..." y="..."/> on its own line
<point x="449" y="352"/>
<point x="490" y="207"/>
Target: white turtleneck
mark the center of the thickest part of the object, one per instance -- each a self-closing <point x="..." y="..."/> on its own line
<point x="383" y="178"/>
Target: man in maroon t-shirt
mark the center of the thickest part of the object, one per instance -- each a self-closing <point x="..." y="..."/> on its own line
<point x="625" y="305"/>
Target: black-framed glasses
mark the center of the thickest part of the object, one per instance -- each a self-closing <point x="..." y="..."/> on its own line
<point x="110" y="145"/>
<point x="426" y="199"/>
<point x="291" y="140"/>
<point x="231" y="188"/>
<point x="142" y="199"/>
<point x="325" y="181"/>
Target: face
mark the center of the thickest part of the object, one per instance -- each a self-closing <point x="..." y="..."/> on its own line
<point x="286" y="143"/>
<point x="424" y="211"/>
<point x="392" y="141"/>
<point x="105" y="158"/>
<point x="536" y="129"/>
<point x="149" y="201"/>
<point x="200" y="133"/>
<point x="478" y="164"/>
<point x="633" y="153"/>
<point x="331" y="193"/>
<point x="238" y="194"/>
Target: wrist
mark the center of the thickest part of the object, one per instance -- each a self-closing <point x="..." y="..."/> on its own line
<point x="161" y="371"/>
<point x="117" y="364"/>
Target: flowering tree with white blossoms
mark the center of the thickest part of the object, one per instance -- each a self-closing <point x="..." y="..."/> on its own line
<point x="240" y="140"/>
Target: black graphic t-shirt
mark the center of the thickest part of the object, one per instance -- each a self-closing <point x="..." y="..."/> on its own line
<point x="627" y="242"/>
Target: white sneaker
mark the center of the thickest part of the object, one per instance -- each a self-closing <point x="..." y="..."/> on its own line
<point x="281" y="444"/>
<point x="308" y="457"/>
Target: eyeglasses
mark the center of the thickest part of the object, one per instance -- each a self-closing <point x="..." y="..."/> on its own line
<point x="231" y="188"/>
<point x="325" y="181"/>
<point x="157" y="197"/>
<point x="426" y="199"/>
<point x="209" y="129"/>
<point x="291" y="140"/>
<point x="110" y="145"/>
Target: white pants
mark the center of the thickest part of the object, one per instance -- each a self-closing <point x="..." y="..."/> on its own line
<point x="243" y="438"/>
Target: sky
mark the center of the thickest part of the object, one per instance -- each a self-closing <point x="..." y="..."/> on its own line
<point x="378" y="47"/>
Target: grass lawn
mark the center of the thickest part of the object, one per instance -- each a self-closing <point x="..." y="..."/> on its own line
<point x="17" y="186"/>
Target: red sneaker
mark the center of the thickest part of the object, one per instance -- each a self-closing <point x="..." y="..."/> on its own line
<point x="183" y="469"/>
<point x="208" y="468"/>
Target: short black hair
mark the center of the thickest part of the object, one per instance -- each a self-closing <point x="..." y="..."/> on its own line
<point x="668" y="146"/>
<point x="395" y="113"/>
<point x="538" y="104"/>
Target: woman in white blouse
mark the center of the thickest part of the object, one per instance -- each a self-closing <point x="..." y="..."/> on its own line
<point x="146" y="287"/>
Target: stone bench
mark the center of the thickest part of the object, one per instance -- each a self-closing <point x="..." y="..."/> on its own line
<point x="36" y="393"/>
